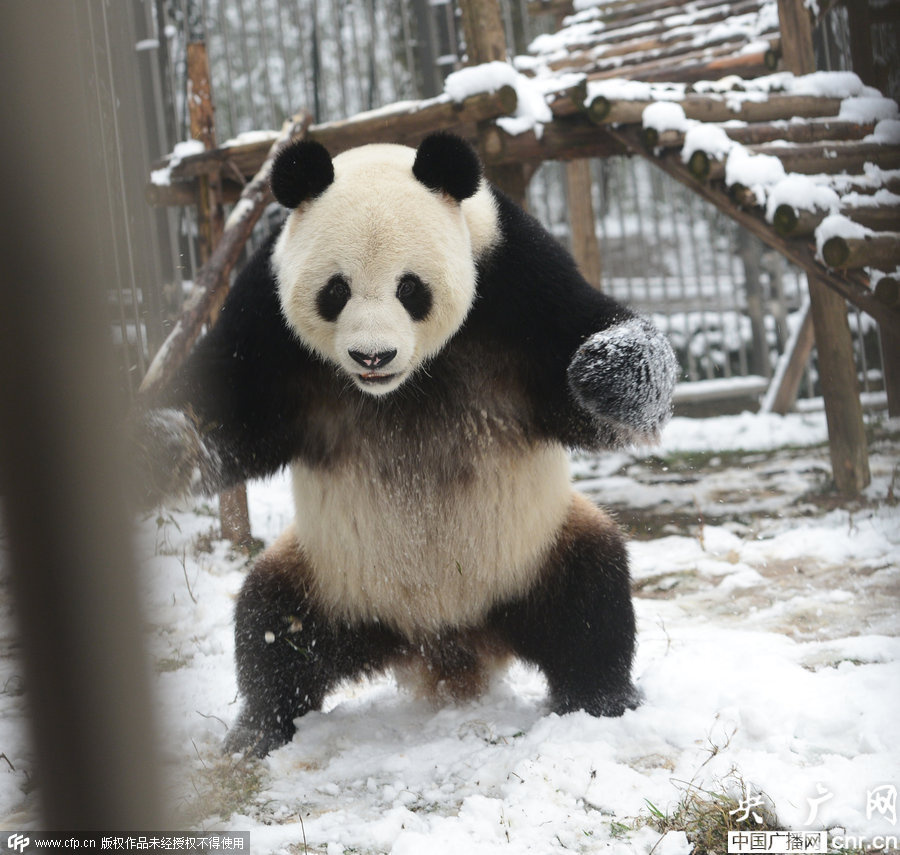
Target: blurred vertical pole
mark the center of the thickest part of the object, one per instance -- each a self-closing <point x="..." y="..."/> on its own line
<point x="61" y="458"/>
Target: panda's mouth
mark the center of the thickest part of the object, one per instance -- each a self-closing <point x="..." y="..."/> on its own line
<point x="375" y="378"/>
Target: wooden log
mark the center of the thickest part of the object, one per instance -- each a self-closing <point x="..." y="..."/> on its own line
<point x="790" y="221"/>
<point x="568" y="101"/>
<point x="486" y="42"/>
<point x="656" y="31"/>
<point x="840" y="389"/>
<point x="213" y="276"/>
<point x="743" y="197"/>
<point x="483" y="27"/>
<point x="814" y="130"/>
<point x="881" y="251"/>
<point x="812" y="158"/>
<point x="716" y="108"/>
<point x="795" y="21"/>
<point x="683" y="66"/>
<point x="781" y="396"/>
<point x="572" y="138"/>
<point x="406" y="122"/>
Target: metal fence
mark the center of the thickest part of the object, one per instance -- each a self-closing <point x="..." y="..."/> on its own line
<point x="728" y="303"/>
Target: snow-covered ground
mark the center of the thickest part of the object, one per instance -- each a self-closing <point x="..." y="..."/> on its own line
<point x="769" y="659"/>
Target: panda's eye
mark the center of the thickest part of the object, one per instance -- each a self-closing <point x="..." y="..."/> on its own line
<point x="331" y="300"/>
<point x="415" y="296"/>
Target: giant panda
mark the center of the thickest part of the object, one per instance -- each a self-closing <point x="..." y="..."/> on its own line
<point x="422" y="354"/>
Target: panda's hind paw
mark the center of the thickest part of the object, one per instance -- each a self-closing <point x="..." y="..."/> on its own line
<point x="605" y="704"/>
<point x="252" y="740"/>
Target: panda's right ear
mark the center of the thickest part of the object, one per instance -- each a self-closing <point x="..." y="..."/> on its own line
<point x="301" y="171"/>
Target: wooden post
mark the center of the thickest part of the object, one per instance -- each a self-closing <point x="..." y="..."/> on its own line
<point x="834" y="345"/>
<point x="486" y="42"/>
<point x="234" y="515"/>
<point x="582" y="224"/>
<point x="483" y="28"/>
<point x="840" y="389"/>
<point x="797" y="52"/>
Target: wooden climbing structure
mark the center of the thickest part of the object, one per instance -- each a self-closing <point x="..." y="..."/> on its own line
<point x="724" y="97"/>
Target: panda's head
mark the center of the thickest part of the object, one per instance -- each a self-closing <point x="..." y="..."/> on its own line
<point x="376" y="261"/>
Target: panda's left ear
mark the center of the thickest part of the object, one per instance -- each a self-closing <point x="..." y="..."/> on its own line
<point x="301" y="171"/>
<point x="447" y="163"/>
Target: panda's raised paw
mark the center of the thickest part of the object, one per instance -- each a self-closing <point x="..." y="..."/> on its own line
<point x="624" y="376"/>
<point x="168" y="455"/>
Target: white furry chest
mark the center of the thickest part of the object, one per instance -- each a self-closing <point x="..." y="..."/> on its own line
<point x="419" y="557"/>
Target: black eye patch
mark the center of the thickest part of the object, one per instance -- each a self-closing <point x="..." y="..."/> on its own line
<point x="331" y="300"/>
<point x="415" y="295"/>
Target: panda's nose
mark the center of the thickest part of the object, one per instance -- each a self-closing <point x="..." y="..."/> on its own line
<point x="372" y="360"/>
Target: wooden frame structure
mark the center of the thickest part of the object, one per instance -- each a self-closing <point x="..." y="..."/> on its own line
<point x="806" y="131"/>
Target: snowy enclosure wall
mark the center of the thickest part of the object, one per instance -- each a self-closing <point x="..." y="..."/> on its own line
<point x="728" y="303"/>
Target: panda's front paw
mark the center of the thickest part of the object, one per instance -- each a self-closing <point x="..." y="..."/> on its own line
<point x="168" y="455"/>
<point x="624" y="377"/>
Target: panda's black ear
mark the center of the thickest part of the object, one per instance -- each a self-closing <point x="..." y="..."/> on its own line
<point x="447" y="163"/>
<point x="301" y="171"/>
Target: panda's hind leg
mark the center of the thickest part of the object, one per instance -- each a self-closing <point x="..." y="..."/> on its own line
<point x="289" y="652"/>
<point x="577" y="624"/>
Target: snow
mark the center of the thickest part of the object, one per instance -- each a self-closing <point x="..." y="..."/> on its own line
<point x="837" y="225"/>
<point x="531" y="110"/>
<point x="769" y="659"/>
<point x="621" y="89"/>
<point x="664" y="116"/>
<point x="886" y="132"/>
<point x="184" y="149"/>
<point x="753" y="171"/>
<point x="709" y="138"/>
<point x="870" y="108"/>
<point x="803" y="193"/>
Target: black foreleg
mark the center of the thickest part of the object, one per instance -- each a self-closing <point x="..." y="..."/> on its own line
<point x="290" y="653"/>
<point x="578" y="624"/>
